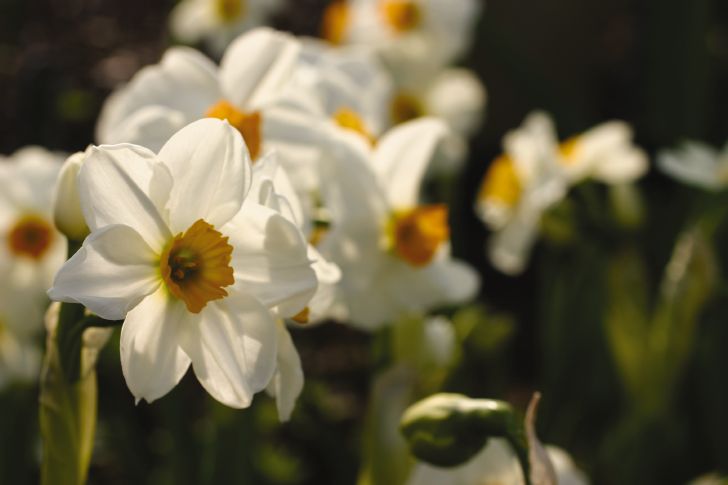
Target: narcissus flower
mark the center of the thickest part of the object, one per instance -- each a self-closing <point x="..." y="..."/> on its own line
<point x="517" y="188"/>
<point x="697" y="164"/>
<point x="186" y="86"/>
<point x="218" y="22"/>
<point x="406" y="32"/>
<point x="67" y="213"/>
<point x="536" y="171"/>
<point x="198" y="273"/>
<point x="403" y="263"/>
<point x="31" y="249"/>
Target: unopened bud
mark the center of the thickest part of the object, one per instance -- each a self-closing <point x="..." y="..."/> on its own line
<point x="67" y="212"/>
<point x="449" y="429"/>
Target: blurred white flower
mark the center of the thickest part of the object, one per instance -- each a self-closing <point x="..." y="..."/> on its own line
<point x="32" y="249"/>
<point x="407" y="33"/>
<point x="400" y="263"/>
<point x="496" y="464"/>
<point x="348" y="85"/>
<point x="536" y="171"/>
<point x="517" y="188"/>
<point x="197" y="272"/>
<point x="186" y="86"/>
<point x="604" y="153"/>
<point x="696" y="163"/>
<point x="218" y="22"/>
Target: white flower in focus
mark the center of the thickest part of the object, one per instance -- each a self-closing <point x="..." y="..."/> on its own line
<point x="198" y="273"/>
<point x="186" y="86"/>
<point x="407" y="33"/>
<point x="604" y="153"/>
<point x="31" y="249"/>
<point x="496" y="464"/>
<point x="218" y="22"/>
<point x="517" y="188"/>
<point x="697" y="164"/>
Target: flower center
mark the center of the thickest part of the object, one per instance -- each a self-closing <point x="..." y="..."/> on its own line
<point x="405" y="107"/>
<point x="569" y="150"/>
<point x="31" y="236"/>
<point x="195" y="266"/>
<point x="335" y="22"/>
<point x="350" y="120"/>
<point x="401" y="15"/>
<point x="418" y="233"/>
<point x="229" y="10"/>
<point x="501" y="183"/>
<point x="248" y="124"/>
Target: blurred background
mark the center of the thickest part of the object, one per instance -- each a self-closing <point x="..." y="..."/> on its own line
<point x="661" y="65"/>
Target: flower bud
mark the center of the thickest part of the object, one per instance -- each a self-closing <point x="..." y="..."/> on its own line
<point x="67" y="212"/>
<point x="449" y="429"/>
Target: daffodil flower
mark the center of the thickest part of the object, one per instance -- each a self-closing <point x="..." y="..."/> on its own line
<point x="697" y="164"/>
<point x="198" y="273"/>
<point x="218" y="22"/>
<point x="186" y="86"/>
<point x="517" y="188"/>
<point x="402" y="264"/>
<point x="536" y="171"/>
<point x="347" y="85"/>
<point x="31" y="249"/>
<point x="407" y="33"/>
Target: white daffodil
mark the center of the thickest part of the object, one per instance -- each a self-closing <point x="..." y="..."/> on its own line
<point x="197" y="272"/>
<point x="407" y="33"/>
<point x="186" y="86"/>
<point x="348" y="85"/>
<point x="218" y="22"/>
<point x="696" y="163"/>
<point x="397" y="258"/>
<point x="518" y="187"/>
<point x="31" y="249"/>
<point x="536" y="171"/>
<point x="604" y="153"/>
<point x="496" y="464"/>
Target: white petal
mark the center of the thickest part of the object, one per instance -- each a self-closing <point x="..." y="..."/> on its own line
<point x="270" y="260"/>
<point x="694" y="163"/>
<point x="256" y="67"/>
<point x="184" y="81"/>
<point x="111" y="273"/>
<point x="233" y="349"/>
<point x="151" y="358"/>
<point x="403" y="156"/>
<point x="510" y="247"/>
<point x="116" y="184"/>
<point x="211" y="169"/>
<point x="287" y="382"/>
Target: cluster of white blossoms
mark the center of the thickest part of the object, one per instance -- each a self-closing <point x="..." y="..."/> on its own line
<point x="536" y="171"/>
<point x="224" y="203"/>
